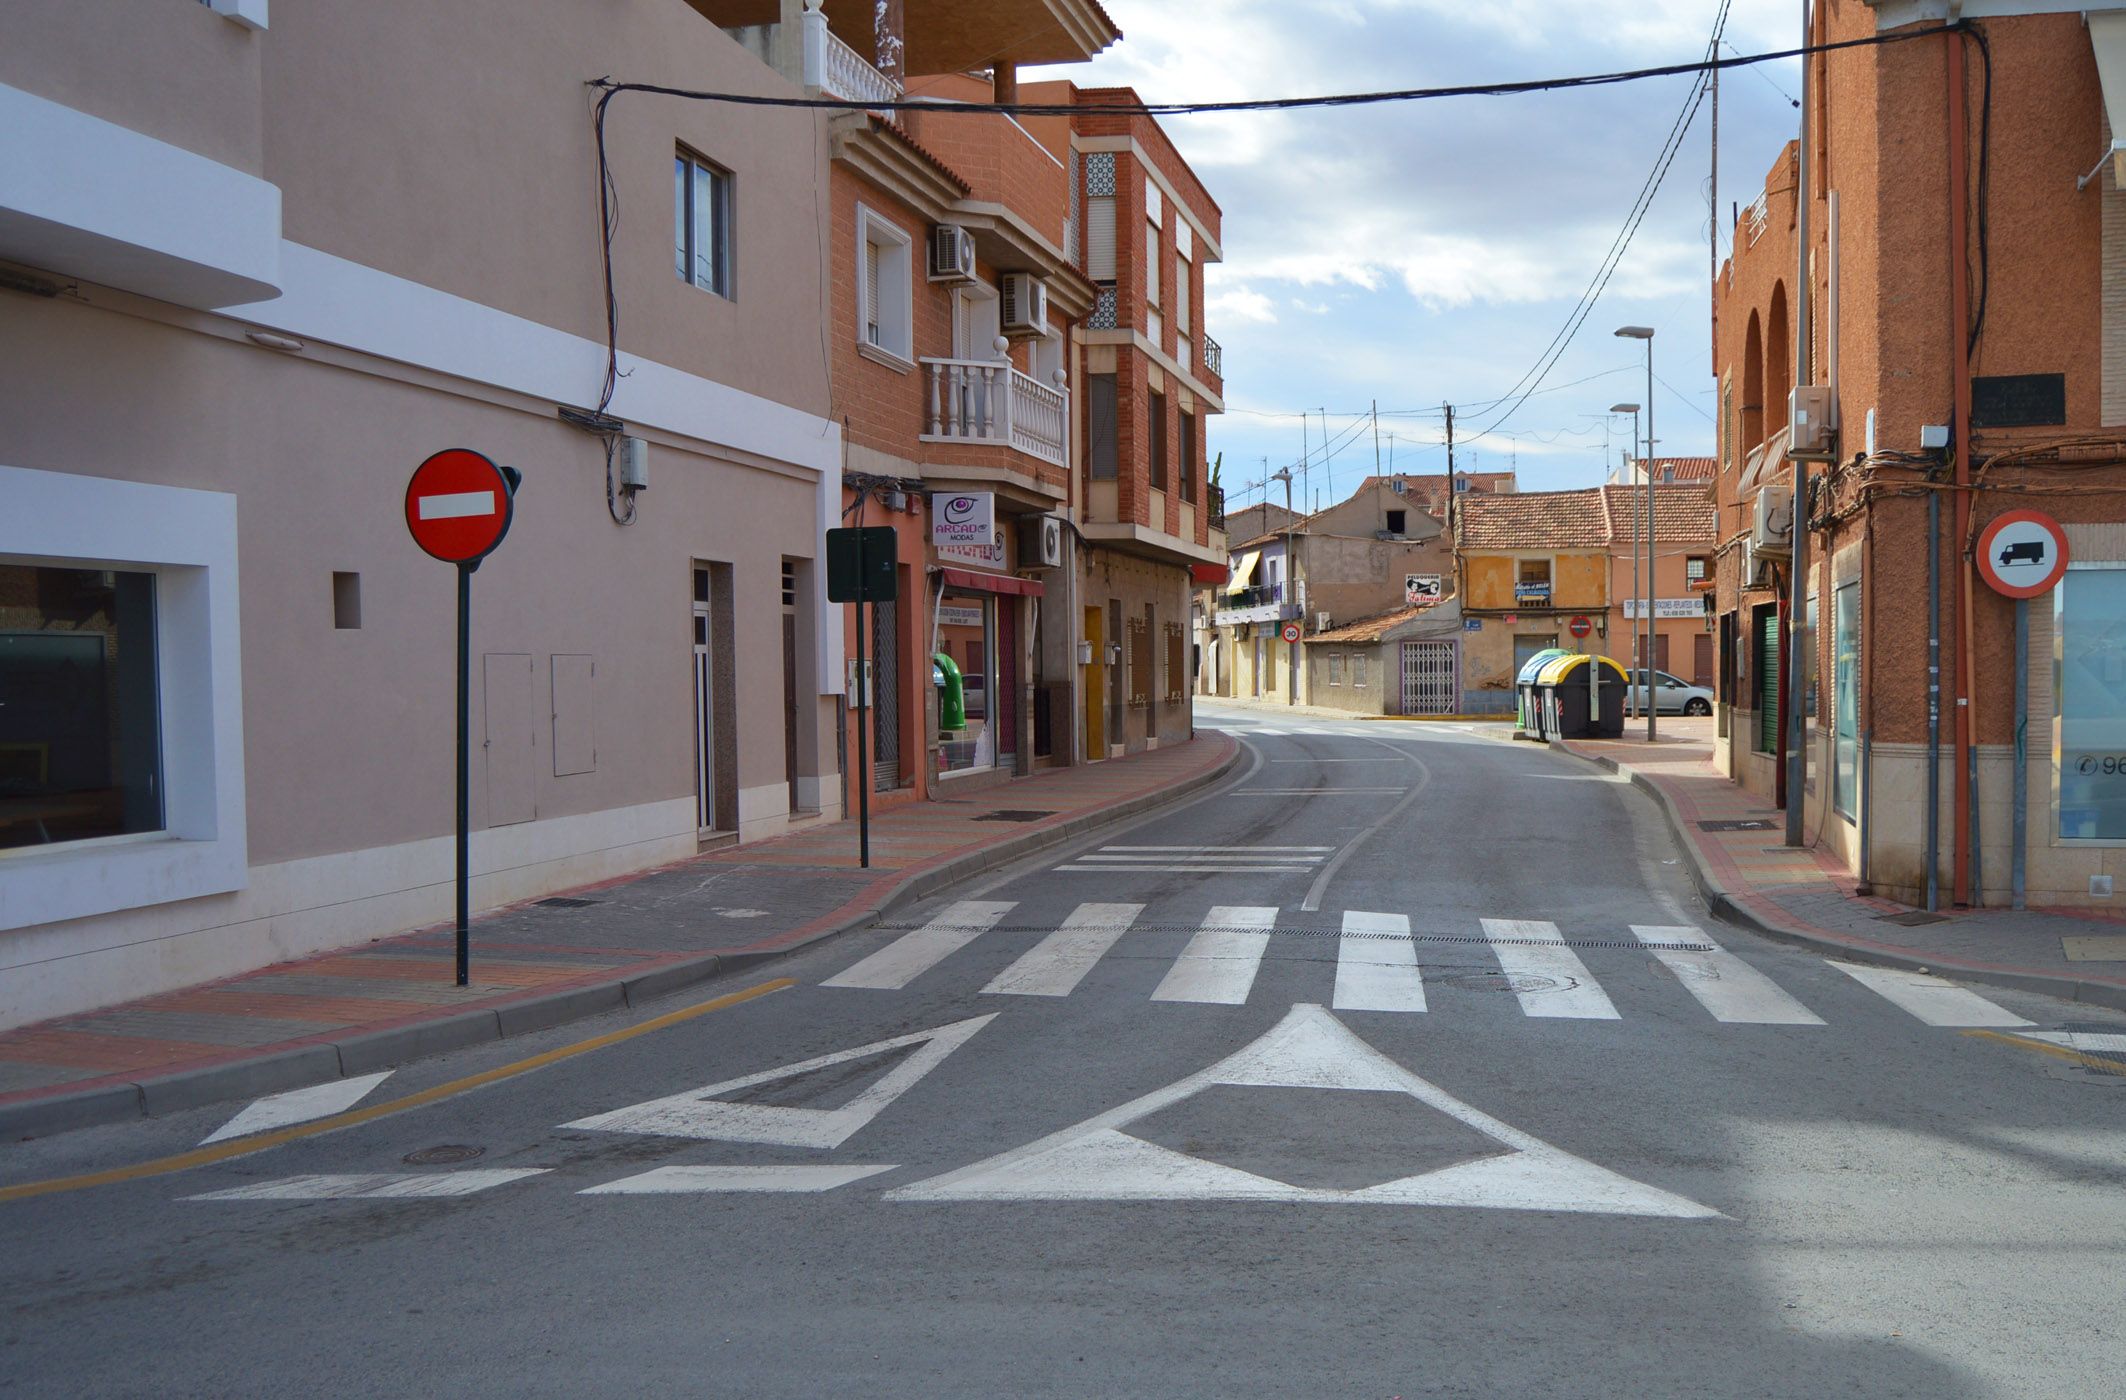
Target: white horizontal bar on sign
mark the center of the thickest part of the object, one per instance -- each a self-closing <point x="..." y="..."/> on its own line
<point x="456" y="505"/>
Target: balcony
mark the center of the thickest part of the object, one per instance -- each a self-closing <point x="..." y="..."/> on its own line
<point x="1213" y="357"/>
<point x="1263" y="602"/>
<point x="988" y="403"/>
<point x="840" y="71"/>
<point x="1214" y="506"/>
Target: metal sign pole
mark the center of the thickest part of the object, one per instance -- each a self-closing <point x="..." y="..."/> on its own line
<point x="464" y="770"/>
<point x="864" y="712"/>
<point x="2022" y="747"/>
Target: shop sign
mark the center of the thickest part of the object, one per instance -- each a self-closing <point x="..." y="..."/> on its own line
<point x="950" y="615"/>
<point x="1420" y="588"/>
<point x="969" y="518"/>
<point x="1666" y="608"/>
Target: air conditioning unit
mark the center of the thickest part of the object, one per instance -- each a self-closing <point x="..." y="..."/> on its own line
<point x="1321" y="622"/>
<point x="951" y="254"/>
<point x="1025" y="304"/>
<point x="1808" y="413"/>
<point x="1041" y="543"/>
<point x="1772" y="523"/>
<point x="1756" y="567"/>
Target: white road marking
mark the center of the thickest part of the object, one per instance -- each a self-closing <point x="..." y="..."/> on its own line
<point x="1316" y="792"/>
<point x="1537" y="949"/>
<point x="699" y="1114"/>
<point x="455" y="505"/>
<point x="1208" y="858"/>
<point x="1376" y="964"/>
<point x="1220" y="962"/>
<point x="1054" y="966"/>
<point x="908" y="957"/>
<point x="1081" y="869"/>
<point x="297" y="1106"/>
<point x="375" y="1186"/>
<point x="1932" y="1000"/>
<point x="695" y="1181"/>
<point x="1097" y="1160"/>
<point x="1577" y="777"/>
<point x="1724" y="984"/>
<point x="1248" y="850"/>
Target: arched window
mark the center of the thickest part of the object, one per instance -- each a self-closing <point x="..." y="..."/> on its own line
<point x="1752" y="386"/>
<point x="1778" y="360"/>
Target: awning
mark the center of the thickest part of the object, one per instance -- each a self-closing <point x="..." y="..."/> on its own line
<point x="990" y="583"/>
<point x="1209" y="573"/>
<point x="1245" y="572"/>
<point x="2107" y="36"/>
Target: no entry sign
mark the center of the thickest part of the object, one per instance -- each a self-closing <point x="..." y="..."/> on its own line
<point x="458" y="506"/>
<point x="2022" y="554"/>
<point x="1579" y="627"/>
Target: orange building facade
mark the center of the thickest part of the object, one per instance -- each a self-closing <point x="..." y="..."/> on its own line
<point x="1961" y="325"/>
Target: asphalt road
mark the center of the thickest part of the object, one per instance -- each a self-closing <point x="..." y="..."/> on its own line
<point x="1403" y="1063"/>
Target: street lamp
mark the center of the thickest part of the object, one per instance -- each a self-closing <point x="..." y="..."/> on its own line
<point x="1633" y="410"/>
<point x="1646" y="657"/>
<point x="1291" y="586"/>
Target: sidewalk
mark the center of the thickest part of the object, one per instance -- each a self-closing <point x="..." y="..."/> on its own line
<point x="1807" y="896"/>
<point x="556" y="959"/>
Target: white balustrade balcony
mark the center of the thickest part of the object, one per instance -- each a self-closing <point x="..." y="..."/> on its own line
<point x="840" y="71"/>
<point x="987" y="401"/>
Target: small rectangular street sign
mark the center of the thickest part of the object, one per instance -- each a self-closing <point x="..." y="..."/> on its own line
<point x="861" y="563"/>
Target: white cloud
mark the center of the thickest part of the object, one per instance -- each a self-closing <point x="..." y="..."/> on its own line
<point x="1231" y="303"/>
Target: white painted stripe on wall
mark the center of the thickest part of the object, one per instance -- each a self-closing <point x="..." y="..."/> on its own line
<point x="695" y="1181"/>
<point x="456" y="505"/>
<point x="1724" y="984"/>
<point x="1054" y="966"/>
<point x="1376" y="965"/>
<point x="1539" y="950"/>
<point x="297" y="1106"/>
<point x="1220" y="962"/>
<point x="1932" y="1000"/>
<point x="911" y="955"/>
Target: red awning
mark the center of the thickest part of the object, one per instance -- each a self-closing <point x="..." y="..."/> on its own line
<point x="1210" y="573"/>
<point x="990" y="583"/>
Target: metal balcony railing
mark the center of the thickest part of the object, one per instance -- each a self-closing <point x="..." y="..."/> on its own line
<point x="1260" y="595"/>
<point x="1214" y="506"/>
<point x="1213" y="357"/>
<point x="987" y="401"/>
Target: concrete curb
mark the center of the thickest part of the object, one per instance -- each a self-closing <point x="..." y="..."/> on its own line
<point x="369" y="1051"/>
<point x="1725" y="908"/>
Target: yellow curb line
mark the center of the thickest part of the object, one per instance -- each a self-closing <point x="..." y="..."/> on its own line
<point x="2058" y="1052"/>
<point x="244" y="1147"/>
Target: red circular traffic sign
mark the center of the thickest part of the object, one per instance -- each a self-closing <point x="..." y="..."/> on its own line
<point x="458" y="506"/>
<point x="1579" y="627"/>
<point x="2022" y="554"/>
<point x="1291" y="631"/>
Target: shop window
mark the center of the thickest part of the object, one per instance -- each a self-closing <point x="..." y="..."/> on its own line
<point x="966" y="633"/>
<point x="2089" y="610"/>
<point x="1845" y="697"/>
<point x="80" y="730"/>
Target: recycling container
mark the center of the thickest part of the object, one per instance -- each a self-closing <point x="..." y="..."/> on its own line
<point x="1530" y="722"/>
<point x="1568" y="710"/>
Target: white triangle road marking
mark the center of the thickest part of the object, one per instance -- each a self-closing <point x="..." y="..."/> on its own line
<point x="1724" y="984"/>
<point x="1220" y="962"/>
<point x="1097" y="1160"/>
<point x="701" y="1181"/>
<point x="699" y="1114"/>
<point x="908" y="957"/>
<point x="1932" y="1000"/>
<point x="297" y="1106"/>
<point x="373" y="1186"/>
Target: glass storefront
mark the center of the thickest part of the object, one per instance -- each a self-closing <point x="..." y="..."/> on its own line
<point x="80" y="742"/>
<point x="967" y="634"/>
<point x="1845" y="697"/>
<point x="2089" y="614"/>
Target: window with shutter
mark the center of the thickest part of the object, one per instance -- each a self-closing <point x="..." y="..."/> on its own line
<point x="1100" y="238"/>
<point x="1157" y="414"/>
<point x="871" y="331"/>
<point x="1181" y="281"/>
<point x="885" y="287"/>
<point x="1102" y="430"/>
<point x="1151" y="263"/>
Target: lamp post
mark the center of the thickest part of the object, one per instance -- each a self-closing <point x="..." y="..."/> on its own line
<point x="1633" y="409"/>
<point x="1290" y="588"/>
<point x="1646" y="660"/>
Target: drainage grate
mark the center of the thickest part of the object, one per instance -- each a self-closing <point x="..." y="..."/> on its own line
<point x="1735" y="824"/>
<point x="564" y="902"/>
<point x="443" y="1155"/>
<point x="1912" y="920"/>
<point x="1009" y="815"/>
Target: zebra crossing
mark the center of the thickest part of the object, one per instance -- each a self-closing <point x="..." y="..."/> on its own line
<point x="1378" y="968"/>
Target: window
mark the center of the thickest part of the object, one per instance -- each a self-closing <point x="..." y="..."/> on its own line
<point x="885" y="293"/>
<point x="1358" y="668"/>
<point x="1461" y="483"/>
<point x="701" y="223"/>
<point x="1698" y="571"/>
<point x="1186" y="458"/>
<point x="1102" y="428"/>
<point x="1336" y="668"/>
<point x="1532" y="582"/>
<point x="1397" y="520"/>
<point x="1158" y="427"/>
<point x="1845" y="696"/>
<point x="1181" y="291"/>
<point x="966" y="627"/>
<point x="1152" y="259"/>
<point x="2089" y="613"/>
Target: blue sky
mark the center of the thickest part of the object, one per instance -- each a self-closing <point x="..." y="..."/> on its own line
<point x="1428" y="252"/>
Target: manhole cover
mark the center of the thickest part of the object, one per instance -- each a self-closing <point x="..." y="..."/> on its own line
<point x="1013" y="816"/>
<point x="1912" y="920"/>
<point x="443" y="1155"/>
<point x="1735" y="824"/>
<point x="564" y="902"/>
<point x="1505" y="982"/>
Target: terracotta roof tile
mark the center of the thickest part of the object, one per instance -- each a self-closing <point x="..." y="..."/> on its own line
<point x="1593" y="518"/>
<point x="1372" y="629"/>
<point x="1684" y="468"/>
<point x="880" y="124"/>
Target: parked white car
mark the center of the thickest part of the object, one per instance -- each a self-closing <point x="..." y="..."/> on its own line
<point x="1672" y="695"/>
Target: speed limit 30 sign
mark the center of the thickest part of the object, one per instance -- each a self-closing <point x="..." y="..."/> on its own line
<point x="1291" y="631"/>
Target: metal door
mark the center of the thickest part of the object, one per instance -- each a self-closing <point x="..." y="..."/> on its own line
<point x="704" y="708"/>
<point x="1430" y="683"/>
<point x="885" y="697"/>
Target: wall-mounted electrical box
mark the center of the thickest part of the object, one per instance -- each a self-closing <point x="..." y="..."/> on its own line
<point x="631" y="464"/>
<point x="1934" y="437"/>
<point x="1809" y="415"/>
<point x="858" y="686"/>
